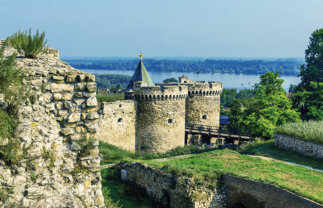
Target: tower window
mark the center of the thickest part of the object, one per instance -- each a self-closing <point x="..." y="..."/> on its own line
<point x="170" y="120"/>
<point x="204" y="117"/>
<point x="120" y="105"/>
<point x="120" y="120"/>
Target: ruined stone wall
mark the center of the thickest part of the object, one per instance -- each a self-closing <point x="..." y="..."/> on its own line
<point x="252" y="194"/>
<point x="160" y="124"/>
<point x="179" y="191"/>
<point x="171" y="190"/>
<point x="55" y="170"/>
<point x="203" y="104"/>
<point x="300" y="146"/>
<point x="118" y="123"/>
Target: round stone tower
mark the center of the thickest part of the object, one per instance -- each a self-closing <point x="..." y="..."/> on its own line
<point x="160" y="122"/>
<point x="203" y="103"/>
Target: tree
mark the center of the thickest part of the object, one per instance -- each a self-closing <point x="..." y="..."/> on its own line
<point x="170" y="80"/>
<point x="269" y="108"/>
<point x="308" y="96"/>
<point x="313" y="70"/>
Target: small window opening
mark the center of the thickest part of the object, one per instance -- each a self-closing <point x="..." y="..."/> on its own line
<point x="120" y="120"/>
<point x="120" y="105"/>
<point x="204" y="117"/>
<point x="170" y="120"/>
<point x="185" y="81"/>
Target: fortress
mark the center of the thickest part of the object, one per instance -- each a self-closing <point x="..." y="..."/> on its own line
<point x="153" y="117"/>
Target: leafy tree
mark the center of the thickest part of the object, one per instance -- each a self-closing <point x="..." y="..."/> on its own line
<point x="308" y="95"/>
<point x="313" y="70"/>
<point x="269" y="108"/>
<point x="170" y="80"/>
<point x="29" y="45"/>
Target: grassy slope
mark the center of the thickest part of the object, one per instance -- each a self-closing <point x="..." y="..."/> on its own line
<point x="208" y="166"/>
<point x="311" y="130"/>
<point x="268" y="149"/>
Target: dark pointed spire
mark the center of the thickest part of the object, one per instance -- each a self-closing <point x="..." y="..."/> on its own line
<point x="140" y="74"/>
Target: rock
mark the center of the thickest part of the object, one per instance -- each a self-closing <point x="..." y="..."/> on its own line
<point x="57" y="96"/>
<point x="75" y="146"/>
<point x="67" y="131"/>
<point x="93" y="115"/>
<point x="91" y="102"/>
<point x="58" y="78"/>
<point x="74" y="117"/>
<point x="91" y="87"/>
<point x="3" y="103"/>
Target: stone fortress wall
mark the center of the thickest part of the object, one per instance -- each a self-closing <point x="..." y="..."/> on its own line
<point x="160" y="118"/>
<point x="162" y="111"/>
<point x="63" y="110"/>
<point x="118" y="124"/>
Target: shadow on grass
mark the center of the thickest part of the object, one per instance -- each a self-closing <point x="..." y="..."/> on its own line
<point x="117" y="194"/>
<point x="268" y="149"/>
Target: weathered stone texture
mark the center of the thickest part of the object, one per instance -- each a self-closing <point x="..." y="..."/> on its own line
<point x="203" y="110"/>
<point x="160" y="125"/>
<point x="298" y="145"/>
<point x="229" y="191"/>
<point x="49" y="175"/>
<point x="171" y="190"/>
<point x="117" y="124"/>
<point x="252" y="194"/>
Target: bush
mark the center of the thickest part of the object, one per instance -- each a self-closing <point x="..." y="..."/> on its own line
<point x="29" y="45"/>
<point x="109" y="97"/>
<point x="311" y="130"/>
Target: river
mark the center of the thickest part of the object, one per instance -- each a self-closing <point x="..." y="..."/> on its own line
<point x="238" y="81"/>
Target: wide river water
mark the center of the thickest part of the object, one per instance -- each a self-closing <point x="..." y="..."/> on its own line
<point x="238" y="81"/>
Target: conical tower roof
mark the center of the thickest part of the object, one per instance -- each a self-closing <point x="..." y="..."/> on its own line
<point x="140" y="74"/>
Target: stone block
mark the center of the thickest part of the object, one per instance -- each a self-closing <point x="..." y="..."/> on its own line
<point x="74" y="117"/>
<point x="67" y="131"/>
<point x="213" y="140"/>
<point x="91" y="102"/>
<point x="58" y="78"/>
<point x="57" y="96"/>
<point x="91" y="87"/>
<point x="67" y="96"/>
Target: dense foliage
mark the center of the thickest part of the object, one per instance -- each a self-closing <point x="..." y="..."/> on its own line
<point x="110" y="81"/>
<point x="260" y="115"/>
<point x="308" y="95"/>
<point x="229" y="95"/>
<point x="170" y="80"/>
<point x="310" y="130"/>
<point x="104" y="97"/>
<point x="27" y="44"/>
<point x="15" y="93"/>
<point x="286" y="66"/>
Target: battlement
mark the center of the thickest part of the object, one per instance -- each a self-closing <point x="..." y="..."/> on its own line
<point x="204" y="88"/>
<point x="160" y="92"/>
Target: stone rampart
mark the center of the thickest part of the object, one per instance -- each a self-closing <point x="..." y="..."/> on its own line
<point x="298" y="145"/>
<point x="171" y="190"/>
<point x="118" y="123"/>
<point x="252" y="194"/>
<point x="55" y="128"/>
<point x="203" y="103"/>
<point x="161" y="92"/>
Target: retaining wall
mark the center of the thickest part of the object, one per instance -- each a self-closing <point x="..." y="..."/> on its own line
<point x="298" y="145"/>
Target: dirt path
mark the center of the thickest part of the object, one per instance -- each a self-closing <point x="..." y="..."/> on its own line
<point x="291" y="163"/>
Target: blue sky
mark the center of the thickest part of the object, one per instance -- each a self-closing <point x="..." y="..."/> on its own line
<point x="168" y="28"/>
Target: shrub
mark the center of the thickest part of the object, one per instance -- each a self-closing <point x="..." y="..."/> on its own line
<point x="310" y="130"/>
<point x="29" y="45"/>
<point x="109" y="97"/>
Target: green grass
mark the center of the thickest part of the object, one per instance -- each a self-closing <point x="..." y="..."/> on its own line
<point x="118" y="194"/>
<point x="109" y="97"/>
<point x="113" y="154"/>
<point x="310" y="130"/>
<point x="207" y="167"/>
<point x="268" y="149"/>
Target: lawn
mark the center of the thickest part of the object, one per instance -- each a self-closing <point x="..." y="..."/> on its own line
<point x="268" y="149"/>
<point x="207" y="167"/>
<point x="310" y="130"/>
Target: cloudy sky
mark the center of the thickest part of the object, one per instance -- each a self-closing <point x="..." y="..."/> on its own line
<point x="168" y="28"/>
